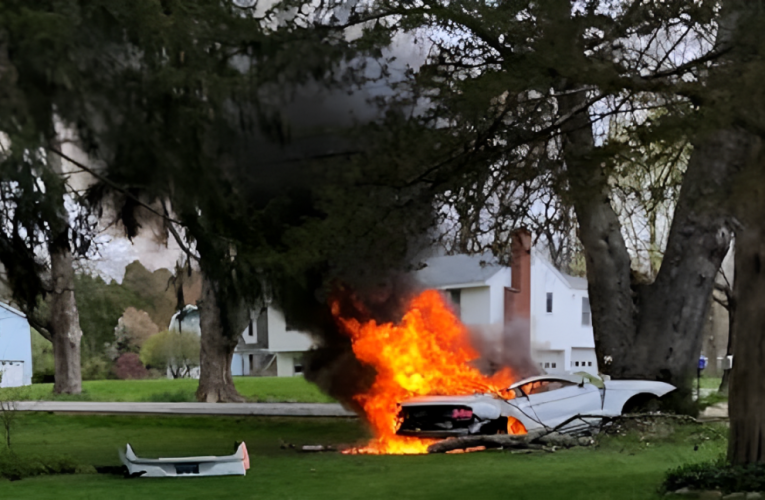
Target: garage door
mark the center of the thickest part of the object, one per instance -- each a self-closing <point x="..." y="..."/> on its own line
<point x="12" y="373"/>
<point x="550" y="361"/>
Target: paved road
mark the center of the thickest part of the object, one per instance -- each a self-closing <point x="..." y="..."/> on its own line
<point x="718" y="411"/>
<point x="262" y="409"/>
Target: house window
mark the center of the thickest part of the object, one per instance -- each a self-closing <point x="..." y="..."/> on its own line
<point x="549" y="302"/>
<point x="589" y="363"/>
<point x="455" y="296"/>
<point x="250" y="329"/>
<point x="547" y="365"/>
<point x="252" y="362"/>
<point x="553" y="365"/>
<point x="586" y="313"/>
<point x="576" y="363"/>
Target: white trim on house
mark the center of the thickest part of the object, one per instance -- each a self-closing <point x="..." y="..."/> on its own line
<point x="12" y="309"/>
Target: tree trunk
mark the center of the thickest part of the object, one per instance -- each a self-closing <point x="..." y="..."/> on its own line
<point x="64" y="319"/>
<point x="614" y="312"/>
<point x="651" y="331"/>
<point x="219" y="339"/>
<point x="725" y="382"/>
<point x="747" y="384"/>
<point x="675" y="306"/>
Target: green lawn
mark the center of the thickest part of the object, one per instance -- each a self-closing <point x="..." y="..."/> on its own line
<point x="270" y="389"/>
<point x="709" y="382"/>
<point x="624" y="468"/>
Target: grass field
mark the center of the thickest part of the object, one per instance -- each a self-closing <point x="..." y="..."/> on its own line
<point x="709" y="382"/>
<point x="624" y="468"/>
<point x="269" y="389"/>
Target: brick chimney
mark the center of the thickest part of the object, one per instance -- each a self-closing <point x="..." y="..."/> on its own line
<point x="516" y="339"/>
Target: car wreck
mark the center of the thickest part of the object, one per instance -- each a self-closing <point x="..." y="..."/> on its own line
<point x="229" y="465"/>
<point x="563" y="403"/>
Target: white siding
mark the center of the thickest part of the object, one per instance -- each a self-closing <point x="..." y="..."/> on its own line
<point x="498" y="283"/>
<point x="285" y="364"/>
<point x="282" y="340"/>
<point x="562" y="329"/>
<point x="475" y="305"/>
<point x="16" y="345"/>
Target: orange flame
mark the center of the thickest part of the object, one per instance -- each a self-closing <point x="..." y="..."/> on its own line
<point x="427" y="353"/>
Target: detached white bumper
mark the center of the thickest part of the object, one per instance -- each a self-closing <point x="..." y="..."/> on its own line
<point x="231" y="465"/>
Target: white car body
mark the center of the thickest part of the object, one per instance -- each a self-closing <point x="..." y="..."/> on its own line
<point x="558" y="407"/>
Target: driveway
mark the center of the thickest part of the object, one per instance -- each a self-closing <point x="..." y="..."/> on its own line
<point x="241" y="409"/>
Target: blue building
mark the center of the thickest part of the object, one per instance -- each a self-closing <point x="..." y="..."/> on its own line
<point x="15" y="348"/>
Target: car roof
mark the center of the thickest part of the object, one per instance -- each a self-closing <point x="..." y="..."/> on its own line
<point x="568" y="378"/>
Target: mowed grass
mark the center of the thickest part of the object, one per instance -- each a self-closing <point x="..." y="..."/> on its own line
<point x="625" y="468"/>
<point x="709" y="382"/>
<point x="267" y="389"/>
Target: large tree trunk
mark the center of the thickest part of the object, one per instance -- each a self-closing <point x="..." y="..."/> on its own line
<point x="747" y="385"/>
<point x="675" y="306"/>
<point x="64" y="319"/>
<point x="651" y="331"/>
<point x="614" y="311"/>
<point x="220" y="331"/>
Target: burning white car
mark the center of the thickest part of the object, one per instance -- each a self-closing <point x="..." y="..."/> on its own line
<point x="566" y="403"/>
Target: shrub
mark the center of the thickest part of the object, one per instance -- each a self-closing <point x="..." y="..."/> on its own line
<point x="15" y="467"/>
<point x="133" y="329"/>
<point x="716" y="475"/>
<point x="178" y="352"/>
<point x="42" y="359"/>
<point x="129" y="366"/>
<point x="96" y="368"/>
<point x="179" y="396"/>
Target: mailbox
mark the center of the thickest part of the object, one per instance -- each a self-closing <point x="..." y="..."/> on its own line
<point x="702" y="362"/>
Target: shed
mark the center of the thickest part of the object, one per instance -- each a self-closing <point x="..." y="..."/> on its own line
<point x="15" y="348"/>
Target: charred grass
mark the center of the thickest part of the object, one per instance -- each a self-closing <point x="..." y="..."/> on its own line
<point x="629" y="465"/>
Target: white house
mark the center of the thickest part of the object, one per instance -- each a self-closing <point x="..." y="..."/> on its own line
<point x="561" y="323"/>
<point x="15" y="348"/>
<point x="268" y="346"/>
<point x="530" y="306"/>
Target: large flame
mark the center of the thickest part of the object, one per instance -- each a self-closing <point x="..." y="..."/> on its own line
<point x="427" y="353"/>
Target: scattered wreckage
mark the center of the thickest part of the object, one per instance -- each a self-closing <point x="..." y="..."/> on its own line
<point x="230" y="465"/>
<point x="563" y="403"/>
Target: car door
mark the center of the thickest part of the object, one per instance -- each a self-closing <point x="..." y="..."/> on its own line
<point x="563" y="400"/>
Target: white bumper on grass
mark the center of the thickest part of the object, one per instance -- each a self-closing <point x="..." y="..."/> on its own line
<point x="231" y="465"/>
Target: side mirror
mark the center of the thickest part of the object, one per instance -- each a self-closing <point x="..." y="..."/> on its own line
<point x="581" y="384"/>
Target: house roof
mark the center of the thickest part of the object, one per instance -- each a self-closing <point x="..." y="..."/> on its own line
<point x="575" y="282"/>
<point x="12" y="309"/>
<point x="466" y="270"/>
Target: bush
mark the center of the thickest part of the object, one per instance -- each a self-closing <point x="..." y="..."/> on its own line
<point x="176" y="351"/>
<point x="133" y="329"/>
<point x="96" y="368"/>
<point x="179" y="396"/>
<point x="716" y="475"/>
<point x="42" y="359"/>
<point x="129" y="366"/>
<point x="15" y="467"/>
